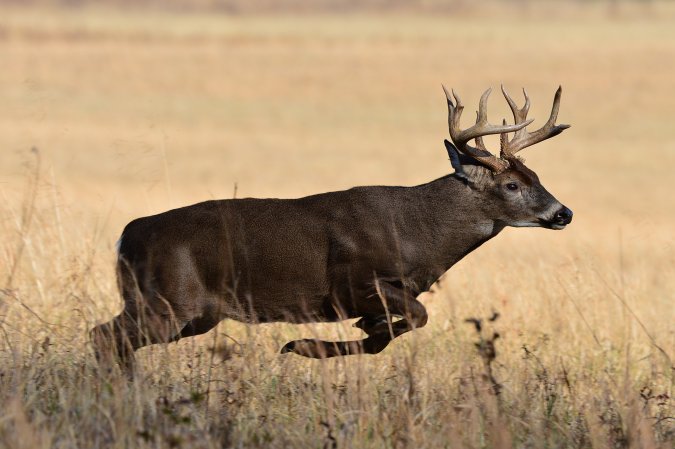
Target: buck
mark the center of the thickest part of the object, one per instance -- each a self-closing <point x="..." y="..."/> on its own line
<point x="366" y="252"/>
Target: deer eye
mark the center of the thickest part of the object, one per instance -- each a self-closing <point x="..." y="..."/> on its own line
<point x="512" y="186"/>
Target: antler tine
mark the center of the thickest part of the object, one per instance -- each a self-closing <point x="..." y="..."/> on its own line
<point x="555" y="109"/>
<point x="526" y="107"/>
<point x="457" y="104"/>
<point x="480" y="145"/>
<point x="523" y="139"/>
<point x="519" y="115"/>
<point x="481" y="128"/>
<point x="447" y="94"/>
<point x="454" y="110"/>
<point x="458" y="100"/>
<point x="482" y="108"/>
<point x="479" y="140"/>
<point x="503" y="139"/>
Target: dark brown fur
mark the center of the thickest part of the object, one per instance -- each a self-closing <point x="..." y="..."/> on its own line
<point x="366" y="253"/>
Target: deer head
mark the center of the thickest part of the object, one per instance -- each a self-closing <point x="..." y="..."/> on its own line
<point x="510" y="193"/>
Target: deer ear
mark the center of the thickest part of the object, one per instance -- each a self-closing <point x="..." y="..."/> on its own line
<point x="454" y="159"/>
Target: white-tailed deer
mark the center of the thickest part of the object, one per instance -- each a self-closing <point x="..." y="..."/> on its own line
<point x="366" y="252"/>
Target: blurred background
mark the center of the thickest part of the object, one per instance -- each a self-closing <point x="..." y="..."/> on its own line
<point x="137" y="107"/>
<point x="116" y="109"/>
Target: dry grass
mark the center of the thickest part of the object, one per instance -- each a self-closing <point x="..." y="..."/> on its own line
<point x="134" y="114"/>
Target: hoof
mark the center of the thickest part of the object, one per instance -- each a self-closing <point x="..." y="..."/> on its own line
<point x="373" y="325"/>
<point x="309" y="347"/>
<point x="288" y="347"/>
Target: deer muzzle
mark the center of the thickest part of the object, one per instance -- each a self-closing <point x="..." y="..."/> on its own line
<point x="562" y="218"/>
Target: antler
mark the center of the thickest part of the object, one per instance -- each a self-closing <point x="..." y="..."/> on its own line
<point x="523" y="139"/>
<point x="482" y="128"/>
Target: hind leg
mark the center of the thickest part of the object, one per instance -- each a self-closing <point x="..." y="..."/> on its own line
<point x="116" y="341"/>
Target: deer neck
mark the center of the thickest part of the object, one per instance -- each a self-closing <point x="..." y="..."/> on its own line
<point x="457" y="217"/>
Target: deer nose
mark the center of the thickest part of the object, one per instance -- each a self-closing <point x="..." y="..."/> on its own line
<point x="563" y="216"/>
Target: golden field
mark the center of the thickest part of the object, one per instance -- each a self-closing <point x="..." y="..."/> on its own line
<point x="134" y="113"/>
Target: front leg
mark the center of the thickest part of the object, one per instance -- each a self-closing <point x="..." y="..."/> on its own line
<point x="376" y="322"/>
<point x="396" y="302"/>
